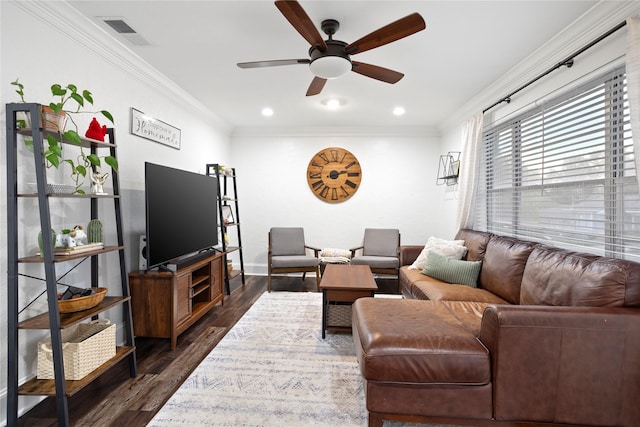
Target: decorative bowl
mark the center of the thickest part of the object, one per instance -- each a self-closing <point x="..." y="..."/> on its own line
<point x="82" y="303"/>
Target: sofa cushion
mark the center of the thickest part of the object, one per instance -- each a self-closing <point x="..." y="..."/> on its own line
<point x="432" y="346"/>
<point x="452" y="270"/>
<point x="559" y="277"/>
<point x="436" y="290"/>
<point x="503" y="266"/>
<point x="453" y="249"/>
<point x="476" y="243"/>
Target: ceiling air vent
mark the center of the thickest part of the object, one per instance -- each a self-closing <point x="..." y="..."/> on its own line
<point x="119" y="26"/>
<point x="125" y="30"/>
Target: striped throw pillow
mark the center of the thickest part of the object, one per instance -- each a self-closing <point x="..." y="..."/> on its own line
<point x="452" y="270"/>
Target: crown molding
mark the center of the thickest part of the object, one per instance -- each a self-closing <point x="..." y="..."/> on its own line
<point x="591" y="25"/>
<point x="90" y="35"/>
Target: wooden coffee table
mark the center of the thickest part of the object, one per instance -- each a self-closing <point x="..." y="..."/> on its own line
<point x="341" y="285"/>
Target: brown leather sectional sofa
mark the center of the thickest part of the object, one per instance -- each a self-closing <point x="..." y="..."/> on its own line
<point x="549" y="337"/>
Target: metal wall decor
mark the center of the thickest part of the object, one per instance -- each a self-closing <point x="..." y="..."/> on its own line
<point x="449" y="168"/>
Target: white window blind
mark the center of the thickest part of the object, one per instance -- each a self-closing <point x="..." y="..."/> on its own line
<point x="563" y="173"/>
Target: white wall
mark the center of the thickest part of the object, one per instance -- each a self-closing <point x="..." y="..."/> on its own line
<point x="86" y="57"/>
<point x="397" y="189"/>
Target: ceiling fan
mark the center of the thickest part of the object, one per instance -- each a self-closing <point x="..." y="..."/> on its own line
<point x="330" y="59"/>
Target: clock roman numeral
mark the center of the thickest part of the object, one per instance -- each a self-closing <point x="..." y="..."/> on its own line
<point x="334" y="155"/>
<point x="350" y="184"/>
<point x="334" y="194"/>
<point x="324" y="157"/>
<point x="317" y="184"/>
<point x="316" y="164"/>
<point x="353" y="173"/>
<point x="345" y="193"/>
<point x="315" y="175"/>
<point x="324" y="192"/>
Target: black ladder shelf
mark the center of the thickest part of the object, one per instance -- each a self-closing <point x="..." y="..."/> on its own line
<point x="53" y="320"/>
<point x="228" y="205"/>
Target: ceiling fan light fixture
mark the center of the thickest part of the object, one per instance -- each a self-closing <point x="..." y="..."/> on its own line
<point x="330" y="67"/>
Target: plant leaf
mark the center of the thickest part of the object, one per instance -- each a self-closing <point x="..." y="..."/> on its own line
<point x="94" y="159"/>
<point x="111" y="161"/>
<point x="107" y="115"/>
<point x="81" y="170"/>
<point x="77" y="98"/>
<point x="73" y="136"/>
<point x="28" y="144"/>
<point x="55" y="107"/>
<point x="87" y="95"/>
<point x="73" y="88"/>
<point x="54" y="159"/>
<point x="80" y="191"/>
<point x="57" y="90"/>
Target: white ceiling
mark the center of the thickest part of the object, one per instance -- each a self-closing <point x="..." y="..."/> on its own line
<point x="466" y="46"/>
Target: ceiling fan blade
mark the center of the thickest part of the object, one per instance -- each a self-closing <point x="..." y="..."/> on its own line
<point x="316" y="86"/>
<point x="389" y="33"/>
<point x="272" y="63"/>
<point x="375" y="72"/>
<point x="297" y="17"/>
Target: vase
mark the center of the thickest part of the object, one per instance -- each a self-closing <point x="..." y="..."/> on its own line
<point x="51" y="120"/>
<point x="41" y="244"/>
<point x="94" y="231"/>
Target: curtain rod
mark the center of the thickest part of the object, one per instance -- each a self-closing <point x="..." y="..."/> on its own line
<point x="568" y="62"/>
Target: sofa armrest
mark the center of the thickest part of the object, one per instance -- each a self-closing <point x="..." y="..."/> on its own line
<point x="574" y="365"/>
<point x="409" y="253"/>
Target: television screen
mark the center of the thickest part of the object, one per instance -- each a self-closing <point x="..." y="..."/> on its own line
<point x="181" y="213"/>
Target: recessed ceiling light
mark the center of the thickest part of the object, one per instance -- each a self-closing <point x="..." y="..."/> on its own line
<point x="333" y="103"/>
<point x="267" y="112"/>
<point x="398" y="111"/>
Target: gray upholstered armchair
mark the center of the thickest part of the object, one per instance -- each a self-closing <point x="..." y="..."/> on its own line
<point x="380" y="250"/>
<point x="288" y="254"/>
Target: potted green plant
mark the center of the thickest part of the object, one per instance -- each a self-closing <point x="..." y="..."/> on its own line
<point x="64" y="98"/>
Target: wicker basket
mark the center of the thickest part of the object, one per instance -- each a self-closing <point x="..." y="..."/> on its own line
<point x="82" y="303"/>
<point x="85" y="347"/>
<point x="339" y="315"/>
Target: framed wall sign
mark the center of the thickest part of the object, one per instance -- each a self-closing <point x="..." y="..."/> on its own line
<point x="154" y="129"/>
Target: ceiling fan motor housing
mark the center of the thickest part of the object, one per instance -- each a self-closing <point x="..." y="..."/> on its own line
<point x="332" y="63"/>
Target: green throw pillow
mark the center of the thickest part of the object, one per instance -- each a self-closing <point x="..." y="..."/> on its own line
<point x="452" y="270"/>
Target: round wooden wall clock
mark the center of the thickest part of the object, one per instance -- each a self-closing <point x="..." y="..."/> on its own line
<point x="334" y="175"/>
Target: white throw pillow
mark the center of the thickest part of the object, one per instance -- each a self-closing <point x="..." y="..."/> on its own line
<point x="453" y="249"/>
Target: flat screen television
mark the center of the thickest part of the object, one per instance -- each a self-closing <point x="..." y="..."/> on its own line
<point x="181" y="215"/>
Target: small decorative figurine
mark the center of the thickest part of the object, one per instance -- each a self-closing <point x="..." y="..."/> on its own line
<point x="97" y="182"/>
<point x="96" y="131"/>
<point x="71" y="238"/>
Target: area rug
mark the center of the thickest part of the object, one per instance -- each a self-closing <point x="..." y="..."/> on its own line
<point x="273" y="368"/>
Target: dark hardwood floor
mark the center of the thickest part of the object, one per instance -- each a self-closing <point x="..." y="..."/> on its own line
<point x="115" y="399"/>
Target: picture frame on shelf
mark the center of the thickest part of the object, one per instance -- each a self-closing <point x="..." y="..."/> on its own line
<point x="227" y="215"/>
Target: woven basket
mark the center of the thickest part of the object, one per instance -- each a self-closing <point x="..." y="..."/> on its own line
<point x="339" y="315"/>
<point x="82" y="303"/>
<point x="85" y="347"/>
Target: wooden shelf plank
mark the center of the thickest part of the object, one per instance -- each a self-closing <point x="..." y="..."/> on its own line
<point x="36" y="387"/>
<point x="74" y="195"/>
<point x="41" y="321"/>
<point x="86" y="142"/>
<point x="62" y="258"/>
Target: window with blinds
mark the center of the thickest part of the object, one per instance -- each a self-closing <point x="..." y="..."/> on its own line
<point x="563" y="173"/>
